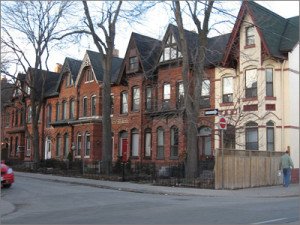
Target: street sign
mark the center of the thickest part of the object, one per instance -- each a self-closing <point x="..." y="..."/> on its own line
<point x="211" y="112"/>
<point x="222" y="123"/>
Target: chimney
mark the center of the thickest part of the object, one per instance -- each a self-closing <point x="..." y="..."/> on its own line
<point x="3" y="79"/>
<point x="116" y="52"/>
<point x="57" y="68"/>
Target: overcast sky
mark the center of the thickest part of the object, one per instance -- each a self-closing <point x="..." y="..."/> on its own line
<point x="155" y="24"/>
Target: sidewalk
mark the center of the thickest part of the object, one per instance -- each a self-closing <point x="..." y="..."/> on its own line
<point x="268" y="192"/>
<point x="259" y="192"/>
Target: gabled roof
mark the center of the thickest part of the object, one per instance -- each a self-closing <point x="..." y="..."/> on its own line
<point x="148" y="49"/>
<point x="50" y="82"/>
<point x="70" y="65"/>
<point x="7" y="90"/>
<point x="278" y="35"/>
<point x="215" y="45"/>
<point x="291" y="34"/>
<point x="95" y="60"/>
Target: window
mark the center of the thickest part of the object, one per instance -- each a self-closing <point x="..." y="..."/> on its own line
<point x="49" y="114"/>
<point x="250" y="35"/>
<point x="28" y="147"/>
<point x="270" y="136"/>
<point x="66" y="145"/>
<point x="174" y="142"/>
<point x="29" y="114"/>
<point x="251" y="83"/>
<point x="64" y="110"/>
<point x="27" y="89"/>
<point x="72" y="109"/>
<point x="160" y="143"/>
<point x="84" y="112"/>
<point x="57" y="111"/>
<point x="133" y="63"/>
<point x="7" y="118"/>
<point x="22" y="117"/>
<point x="251" y="136"/>
<point x="149" y="98"/>
<point x="89" y="75"/>
<point x="229" y="137"/>
<point x="93" y="105"/>
<point x="87" y="144"/>
<point x="166" y="96"/>
<point x="134" y="143"/>
<point x="205" y="94"/>
<point x="227" y="89"/>
<point x="58" y="145"/>
<point x="180" y="95"/>
<point x="171" y="50"/>
<point x="69" y="80"/>
<point x="124" y="102"/>
<point x="148" y="138"/>
<point x="17" y="118"/>
<point x="112" y="104"/>
<point x="135" y="98"/>
<point x="79" y="144"/>
<point x="269" y="82"/>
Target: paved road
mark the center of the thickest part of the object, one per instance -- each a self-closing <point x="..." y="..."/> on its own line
<point x="38" y="201"/>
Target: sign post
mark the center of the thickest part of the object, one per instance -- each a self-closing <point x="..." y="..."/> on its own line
<point x="222" y="126"/>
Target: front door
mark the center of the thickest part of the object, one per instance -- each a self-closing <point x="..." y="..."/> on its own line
<point x="124" y="149"/>
<point x="48" y="148"/>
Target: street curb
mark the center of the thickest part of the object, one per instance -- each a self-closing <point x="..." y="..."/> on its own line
<point x="256" y="192"/>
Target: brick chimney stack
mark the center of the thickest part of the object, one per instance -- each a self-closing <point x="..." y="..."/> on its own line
<point x="58" y="68"/>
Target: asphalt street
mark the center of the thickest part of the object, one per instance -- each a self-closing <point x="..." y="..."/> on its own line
<point x="46" y="199"/>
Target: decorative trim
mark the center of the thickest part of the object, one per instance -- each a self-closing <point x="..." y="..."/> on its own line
<point x="270" y="98"/>
<point x="249" y="46"/>
<point x="249" y="99"/>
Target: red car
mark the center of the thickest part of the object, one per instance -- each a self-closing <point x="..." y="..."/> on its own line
<point x="7" y="175"/>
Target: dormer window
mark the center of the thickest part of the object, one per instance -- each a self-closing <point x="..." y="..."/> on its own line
<point x="89" y="76"/>
<point x="133" y="63"/>
<point x="170" y="51"/>
<point x="69" y="80"/>
<point x="250" y="40"/>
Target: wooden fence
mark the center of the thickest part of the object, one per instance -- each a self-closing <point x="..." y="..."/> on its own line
<point x="243" y="169"/>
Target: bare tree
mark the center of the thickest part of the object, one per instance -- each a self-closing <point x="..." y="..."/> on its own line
<point x="29" y="31"/>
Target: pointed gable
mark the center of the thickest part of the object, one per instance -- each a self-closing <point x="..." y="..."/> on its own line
<point x="94" y="59"/>
<point x="146" y="50"/>
<point x="278" y="35"/>
<point x="70" y="65"/>
<point x="215" y="45"/>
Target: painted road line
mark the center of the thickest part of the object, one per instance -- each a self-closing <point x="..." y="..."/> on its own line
<point x="270" y="221"/>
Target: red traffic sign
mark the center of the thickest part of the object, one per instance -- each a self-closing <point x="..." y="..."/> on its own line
<point x="222" y="123"/>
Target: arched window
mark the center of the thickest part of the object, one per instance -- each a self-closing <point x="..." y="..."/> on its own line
<point x="124" y="102"/>
<point x="148" y="137"/>
<point x="251" y="136"/>
<point x="229" y="137"/>
<point x="93" y="105"/>
<point x="135" y="98"/>
<point x="79" y="144"/>
<point x="64" y="110"/>
<point x="49" y="114"/>
<point x="135" y="142"/>
<point x="160" y="143"/>
<point x="84" y="107"/>
<point x="174" y="142"/>
<point x="58" y="145"/>
<point x="270" y="136"/>
<point x="29" y="114"/>
<point x="57" y="111"/>
<point x="66" y="145"/>
<point x="72" y="109"/>
<point x="87" y="144"/>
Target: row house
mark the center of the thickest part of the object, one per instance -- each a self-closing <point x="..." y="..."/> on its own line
<point x="257" y="86"/>
<point x="251" y="77"/>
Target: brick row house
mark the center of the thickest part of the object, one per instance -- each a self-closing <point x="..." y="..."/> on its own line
<point x="251" y="76"/>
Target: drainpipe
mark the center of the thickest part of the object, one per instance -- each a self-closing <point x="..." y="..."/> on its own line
<point x="282" y="105"/>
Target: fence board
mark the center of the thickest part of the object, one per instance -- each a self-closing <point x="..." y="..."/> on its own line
<point x="244" y="169"/>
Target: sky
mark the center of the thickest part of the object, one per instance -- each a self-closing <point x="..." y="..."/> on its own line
<point x="155" y="23"/>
